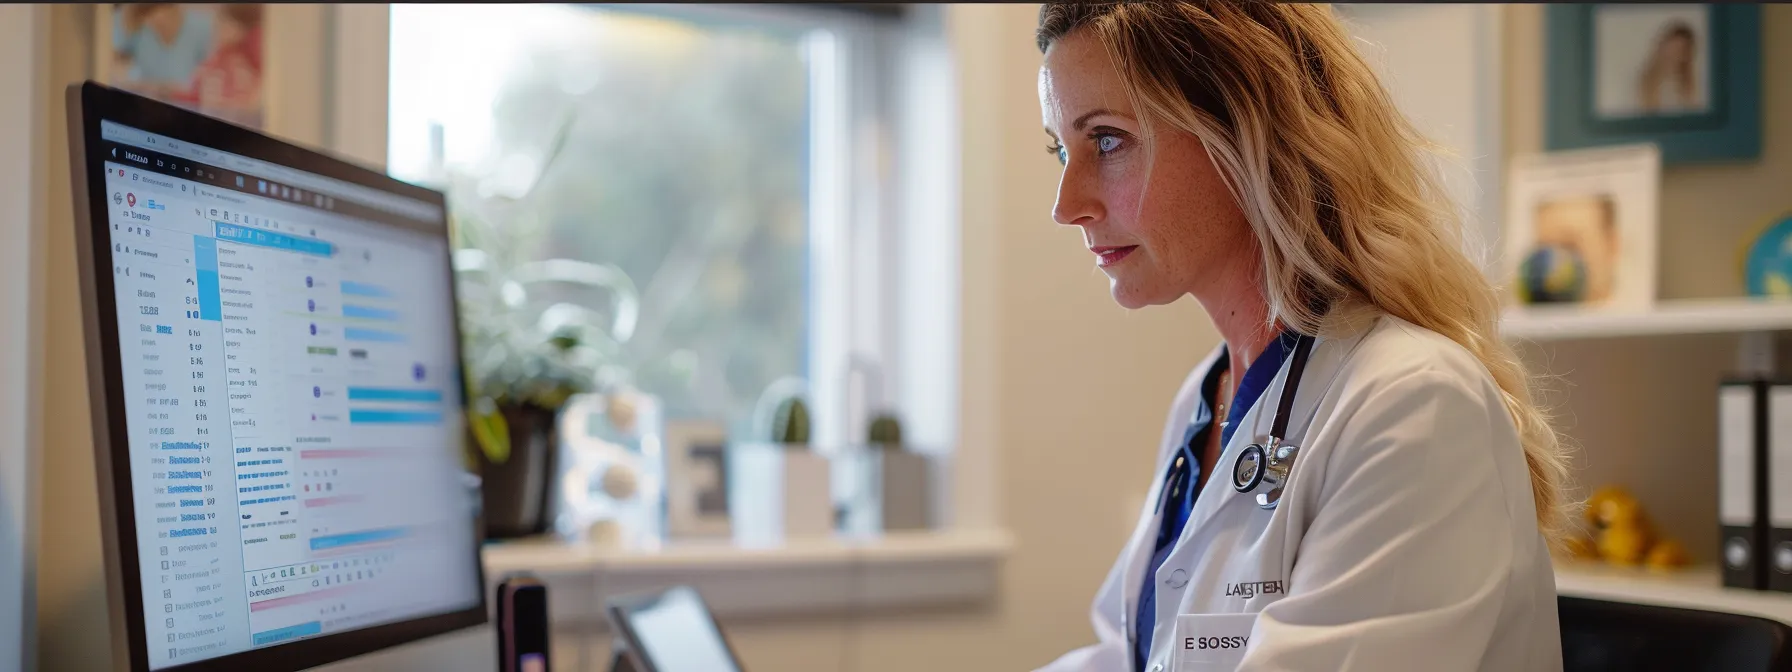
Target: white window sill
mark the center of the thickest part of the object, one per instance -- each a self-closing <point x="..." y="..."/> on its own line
<point x="823" y="576"/>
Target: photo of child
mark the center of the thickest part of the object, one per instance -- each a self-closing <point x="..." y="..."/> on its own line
<point x="203" y="57"/>
<point x="1585" y="229"/>
<point x="1582" y="226"/>
<point x="1651" y="60"/>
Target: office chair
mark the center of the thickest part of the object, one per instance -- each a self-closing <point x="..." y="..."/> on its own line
<point x="1601" y="636"/>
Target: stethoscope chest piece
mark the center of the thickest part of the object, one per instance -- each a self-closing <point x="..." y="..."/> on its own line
<point x="1268" y="463"/>
<point x="1261" y="465"/>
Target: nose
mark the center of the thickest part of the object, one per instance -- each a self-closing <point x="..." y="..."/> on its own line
<point x="1078" y="203"/>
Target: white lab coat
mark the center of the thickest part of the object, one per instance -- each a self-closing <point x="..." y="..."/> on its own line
<point x="1406" y="538"/>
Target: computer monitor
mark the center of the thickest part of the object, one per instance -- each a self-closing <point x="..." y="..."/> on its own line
<point x="273" y="359"/>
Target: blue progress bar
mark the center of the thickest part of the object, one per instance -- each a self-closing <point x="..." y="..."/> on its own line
<point x="278" y="241"/>
<point x="364" y="289"/>
<point x="376" y="335"/>
<point x="288" y="632"/>
<point x="349" y="310"/>
<point x="353" y="538"/>
<point x="205" y="271"/>
<point x="392" y="394"/>
<point x="394" y="417"/>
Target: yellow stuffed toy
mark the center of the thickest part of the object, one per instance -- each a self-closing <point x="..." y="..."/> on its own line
<point x="1623" y="535"/>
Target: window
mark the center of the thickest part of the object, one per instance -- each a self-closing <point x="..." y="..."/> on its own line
<point x="735" y="163"/>
<point x="685" y="166"/>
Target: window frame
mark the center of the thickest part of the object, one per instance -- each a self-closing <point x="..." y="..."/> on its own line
<point x="892" y="342"/>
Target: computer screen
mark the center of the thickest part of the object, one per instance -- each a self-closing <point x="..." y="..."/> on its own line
<point x="287" y="353"/>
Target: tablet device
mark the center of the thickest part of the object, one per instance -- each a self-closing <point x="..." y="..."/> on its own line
<point x="671" y="631"/>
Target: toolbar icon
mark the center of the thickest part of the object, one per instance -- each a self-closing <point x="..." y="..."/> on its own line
<point x="130" y="200"/>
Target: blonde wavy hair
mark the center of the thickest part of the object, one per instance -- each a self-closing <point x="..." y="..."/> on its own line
<point x="1335" y="182"/>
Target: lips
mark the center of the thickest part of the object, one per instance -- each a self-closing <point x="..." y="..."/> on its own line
<point x="1108" y="256"/>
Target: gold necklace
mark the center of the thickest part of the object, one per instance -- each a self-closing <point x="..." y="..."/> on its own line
<point x="1220" y="395"/>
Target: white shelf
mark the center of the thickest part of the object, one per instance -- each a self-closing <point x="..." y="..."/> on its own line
<point x="1680" y="316"/>
<point x="1698" y="587"/>
<point x="833" y="575"/>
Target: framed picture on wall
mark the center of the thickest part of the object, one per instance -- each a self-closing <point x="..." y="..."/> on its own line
<point x="204" y="57"/>
<point x="697" y="479"/>
<point x="1686" y="77"/>
<point x="1582" y="227"/>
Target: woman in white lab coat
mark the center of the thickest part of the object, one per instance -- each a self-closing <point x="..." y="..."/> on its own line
<point x="1244" y="154"/>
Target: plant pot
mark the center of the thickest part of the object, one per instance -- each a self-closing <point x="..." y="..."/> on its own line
<point x="517" y="494"/>
<point x="779" y="492"/>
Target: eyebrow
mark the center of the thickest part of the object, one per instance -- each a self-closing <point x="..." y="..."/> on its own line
<point x="1083" y="120"/>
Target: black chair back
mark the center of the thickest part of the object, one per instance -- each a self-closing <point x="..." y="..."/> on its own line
<point x="1602" y="636"/>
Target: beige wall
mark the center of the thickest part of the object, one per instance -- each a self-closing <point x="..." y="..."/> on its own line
<point x="1642" y="409"/>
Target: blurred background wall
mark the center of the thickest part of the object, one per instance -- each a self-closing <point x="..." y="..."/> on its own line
<point x="1640" y="409"/>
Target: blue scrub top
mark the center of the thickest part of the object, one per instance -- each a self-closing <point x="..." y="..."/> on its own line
<point x="1178" y="497"/>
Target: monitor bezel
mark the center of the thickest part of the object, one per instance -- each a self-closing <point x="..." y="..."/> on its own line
<point x="621" y="612"/>
<point x="88" y="103"/>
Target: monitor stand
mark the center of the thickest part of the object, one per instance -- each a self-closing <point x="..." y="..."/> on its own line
<point x="619" y="661"/>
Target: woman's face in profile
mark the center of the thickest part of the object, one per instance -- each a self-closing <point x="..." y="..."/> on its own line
<point x="1159" y="221"/>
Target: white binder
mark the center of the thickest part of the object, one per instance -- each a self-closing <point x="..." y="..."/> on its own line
<point x="1778" y="553"/>
<point x="1741" y="503"/>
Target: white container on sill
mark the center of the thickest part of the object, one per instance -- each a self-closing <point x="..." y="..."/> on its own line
<point x="889" y="489"/>
<point x="904" y="489"/>
<point x="779" y="492"/>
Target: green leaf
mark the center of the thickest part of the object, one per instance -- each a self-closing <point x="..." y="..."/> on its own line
<point x="492" y="432"/>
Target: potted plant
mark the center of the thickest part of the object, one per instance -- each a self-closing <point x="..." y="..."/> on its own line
<point x="535" y="333"/>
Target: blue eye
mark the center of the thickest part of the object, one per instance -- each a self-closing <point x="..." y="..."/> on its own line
<point x="1058" y="151"/>
<point x="1107" y="143"/>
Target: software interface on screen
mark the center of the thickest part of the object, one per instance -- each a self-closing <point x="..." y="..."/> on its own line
<point x="290" y="378"/>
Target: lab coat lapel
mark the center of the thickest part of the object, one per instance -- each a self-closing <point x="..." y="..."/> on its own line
<point x="1144" y="535"/>
<point x="1218" y="495"/>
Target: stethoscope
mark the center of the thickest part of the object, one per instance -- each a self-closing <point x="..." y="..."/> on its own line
<point x="1267" y="465"/>
<point x="1259" y="464"/>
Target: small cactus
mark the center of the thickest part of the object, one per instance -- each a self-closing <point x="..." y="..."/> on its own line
<point x="790" y="423"/>
<point x="885" y="431"/>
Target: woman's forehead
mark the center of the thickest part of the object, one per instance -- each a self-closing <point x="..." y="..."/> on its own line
<point x="1076" y="78"/>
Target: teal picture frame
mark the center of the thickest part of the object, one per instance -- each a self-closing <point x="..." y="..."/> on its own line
<point x="1730" y="130"/>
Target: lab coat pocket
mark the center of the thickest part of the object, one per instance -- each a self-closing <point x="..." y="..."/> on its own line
<point x="1210" y="642"/>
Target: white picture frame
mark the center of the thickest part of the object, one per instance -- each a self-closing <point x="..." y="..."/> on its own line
<point x="1595" y="208"/>
<point x="697" y="480"/>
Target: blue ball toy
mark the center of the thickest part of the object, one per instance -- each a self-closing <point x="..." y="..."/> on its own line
<point x="1552" y="274"/>
<point x="1767" y="268"/>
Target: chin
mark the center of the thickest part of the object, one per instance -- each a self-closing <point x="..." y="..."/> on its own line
<point x="1134" y="297"/>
